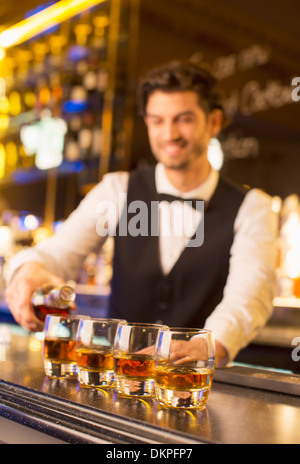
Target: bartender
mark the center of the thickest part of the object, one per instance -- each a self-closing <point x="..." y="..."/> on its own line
<point x="224" y="282"/>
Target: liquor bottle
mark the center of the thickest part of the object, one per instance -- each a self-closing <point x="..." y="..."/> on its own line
<point x="49" y="299"/>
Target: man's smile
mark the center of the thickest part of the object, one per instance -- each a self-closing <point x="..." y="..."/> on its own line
<point x="173" y="148"/>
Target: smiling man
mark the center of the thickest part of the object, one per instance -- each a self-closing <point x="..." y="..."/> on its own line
<point x="179" y="134"/>
<point x="227" y="284"/>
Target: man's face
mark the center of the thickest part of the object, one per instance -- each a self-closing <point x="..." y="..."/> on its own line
<point x="179" y="131"/>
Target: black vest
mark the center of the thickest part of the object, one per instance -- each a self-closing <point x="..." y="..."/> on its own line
<point x="194" y="286"/>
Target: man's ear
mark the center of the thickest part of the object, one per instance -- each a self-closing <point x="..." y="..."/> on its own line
<point x="216" y="119"/>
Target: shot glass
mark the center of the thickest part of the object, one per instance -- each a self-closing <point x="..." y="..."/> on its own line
<point x="60" y="345"/>
<point x="94" y="350"/>
<point x="185" y="360"/>
<point x="134" y="354"/>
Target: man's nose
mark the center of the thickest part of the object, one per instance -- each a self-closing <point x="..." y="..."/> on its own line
<point x="170" y="131"/>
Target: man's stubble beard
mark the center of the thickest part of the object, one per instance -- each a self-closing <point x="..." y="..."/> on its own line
<point x="184" y="165"/>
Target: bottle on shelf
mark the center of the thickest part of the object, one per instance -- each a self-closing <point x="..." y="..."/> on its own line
<point x="50" y="299"/>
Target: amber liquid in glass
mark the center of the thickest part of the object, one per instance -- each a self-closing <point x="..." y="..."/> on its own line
<point x="182" y="378"/>
<point x="95" y="368"/>
<point x="183" y="387"/>
<point x="60" y="358"/>
<point x="135" y="375"/>
<point x="135" y="365"/>
<point x="95" y="360"/>
<point x="60" y="350"/>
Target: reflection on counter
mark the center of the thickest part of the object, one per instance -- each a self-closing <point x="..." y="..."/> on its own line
<point x="146" y="409"/>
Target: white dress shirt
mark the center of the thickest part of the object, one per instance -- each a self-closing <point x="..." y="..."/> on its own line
<point x="250" y="287"/>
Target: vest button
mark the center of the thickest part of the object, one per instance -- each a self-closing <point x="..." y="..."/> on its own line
<point x="165" y="291"/>
<point x="163" y="307"/>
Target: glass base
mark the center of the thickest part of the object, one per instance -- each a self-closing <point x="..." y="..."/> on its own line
<point x="60" y="370"/>
<point x="129" y="386"/>
<point x="193" y="399"/>
<point x="102" y="379"/>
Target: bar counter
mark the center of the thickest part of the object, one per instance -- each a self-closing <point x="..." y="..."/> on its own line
<point x="247" y="405"/>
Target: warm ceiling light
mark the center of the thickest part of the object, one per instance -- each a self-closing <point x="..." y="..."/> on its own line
<point x="45" y="19"/>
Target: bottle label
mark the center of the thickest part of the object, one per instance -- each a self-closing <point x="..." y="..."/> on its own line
<point x="38" y="300"/>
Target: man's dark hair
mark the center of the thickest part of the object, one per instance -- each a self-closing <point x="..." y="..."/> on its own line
<point x="176" y="76"/>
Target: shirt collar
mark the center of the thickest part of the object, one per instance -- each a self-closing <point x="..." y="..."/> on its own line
<point x="204" y="191"/>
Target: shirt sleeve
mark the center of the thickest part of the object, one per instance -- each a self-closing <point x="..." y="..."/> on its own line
<point x="83" y="232"/>
<point x="251" y="285"/>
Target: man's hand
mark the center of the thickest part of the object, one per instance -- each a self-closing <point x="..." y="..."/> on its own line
<point x="222" y="357"/>
<point x="24" y="283"/>
<point x="195" y="349"/>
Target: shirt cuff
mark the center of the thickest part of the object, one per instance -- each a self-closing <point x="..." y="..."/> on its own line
<point x="229" y="335"/>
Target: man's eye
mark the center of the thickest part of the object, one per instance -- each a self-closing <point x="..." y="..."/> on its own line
<point x="186" y="119"/>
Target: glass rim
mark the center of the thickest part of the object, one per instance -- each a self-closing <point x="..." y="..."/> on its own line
<point x="190" y="330"/>
<point x="146" y="325"/>
<point x="106" y="319"/>
<point x="67" y="316"/>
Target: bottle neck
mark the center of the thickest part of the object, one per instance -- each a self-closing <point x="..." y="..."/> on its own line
<point x="61" y="297"/>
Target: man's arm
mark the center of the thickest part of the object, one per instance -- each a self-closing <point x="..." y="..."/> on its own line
<point x="251" y="285"/>
<point x="60" y="257"/>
